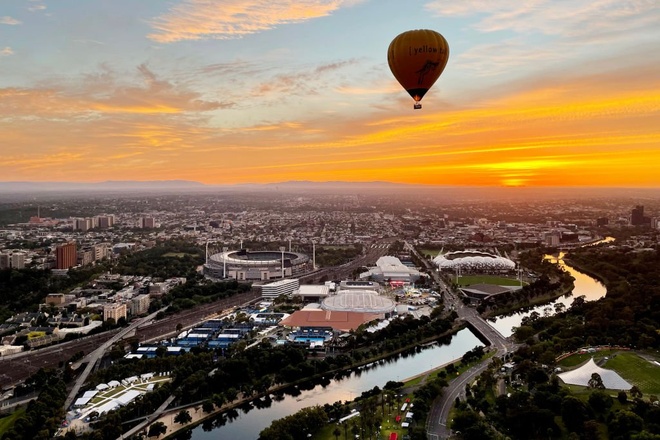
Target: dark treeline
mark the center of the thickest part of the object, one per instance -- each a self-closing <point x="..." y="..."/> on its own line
<point x="43" y="416"/>
<point x="168" y="259"/>
<point x="204" y="376"/>
<point x="629" y="315"/>
<point x="197" y="290"/>
<point x="24" y="289"/>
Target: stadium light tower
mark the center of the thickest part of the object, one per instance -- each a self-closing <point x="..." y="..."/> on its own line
<point x="224" y="262"/>
<point x="282" y="249"/>
<point x="313" y="255"/>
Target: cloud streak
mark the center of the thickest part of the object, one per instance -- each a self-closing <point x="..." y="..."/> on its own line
<point x="228" y="19"/>
<point x="9" y="20"/>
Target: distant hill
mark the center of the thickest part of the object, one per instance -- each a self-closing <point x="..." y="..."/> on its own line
<point x="437" y="193"/>
<point x="110" y="185"/>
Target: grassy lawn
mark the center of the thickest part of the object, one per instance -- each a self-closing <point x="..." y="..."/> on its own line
<point x="636" y="370"/>
<point x="633" y="368"/>
<point x="487" y="279"/>
<point x="7" y="422"/>
<point x="177" y="254"/>
<point x="579" y="359"/>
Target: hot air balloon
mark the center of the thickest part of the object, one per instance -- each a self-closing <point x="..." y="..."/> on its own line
<point x="417" y="58"/>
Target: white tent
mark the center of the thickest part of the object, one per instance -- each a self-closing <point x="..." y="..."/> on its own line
<point x="582" y="375"/>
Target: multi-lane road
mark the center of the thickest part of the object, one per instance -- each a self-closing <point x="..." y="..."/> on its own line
<point x="436" y="424"/>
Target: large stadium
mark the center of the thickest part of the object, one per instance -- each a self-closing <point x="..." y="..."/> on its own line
<point x="474" y="261"/>
<point x="244" y="265"/>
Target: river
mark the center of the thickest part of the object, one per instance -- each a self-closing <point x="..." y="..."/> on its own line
<point x="247" y="426"/>
<point x="584" y="285"/>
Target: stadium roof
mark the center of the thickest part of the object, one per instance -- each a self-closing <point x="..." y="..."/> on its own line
<point x="342" y="321"/>
<point x="365" y="301"/>
<point x="473" y="260"/>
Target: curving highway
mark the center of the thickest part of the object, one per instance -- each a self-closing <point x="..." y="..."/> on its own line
<point x="436" y="424"/>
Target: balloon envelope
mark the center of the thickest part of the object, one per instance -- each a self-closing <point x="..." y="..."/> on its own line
<point x="417" y="58"/>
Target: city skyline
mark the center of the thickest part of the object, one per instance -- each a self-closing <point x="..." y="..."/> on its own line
<point x="535" y="94"/>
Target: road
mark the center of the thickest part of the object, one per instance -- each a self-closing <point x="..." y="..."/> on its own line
<point x="345" y="271"/>
<point x="436" y="424"/>
<point x="18" y="367"/>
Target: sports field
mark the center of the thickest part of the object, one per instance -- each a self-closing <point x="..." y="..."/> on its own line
<point x="487" y="279"/>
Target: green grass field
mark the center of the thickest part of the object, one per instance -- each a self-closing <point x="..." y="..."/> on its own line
<point x="579" y="359"/>
<point x="433" y="252"/>
<point x="7" y="422"/>
<point x="633" y="368"/>
<point x="636" y="370"/>
<point x="177" y="255"/>
<point x="487" y="279"/>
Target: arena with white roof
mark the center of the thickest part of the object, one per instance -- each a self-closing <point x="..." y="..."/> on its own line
<point x="473" y="261"/>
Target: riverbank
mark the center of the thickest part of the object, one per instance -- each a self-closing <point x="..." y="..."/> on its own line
<point x="198" y="416"/>
<point x="533" y="302"/>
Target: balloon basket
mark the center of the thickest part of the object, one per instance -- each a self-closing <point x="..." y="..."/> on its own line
<point x="417" y="106"/>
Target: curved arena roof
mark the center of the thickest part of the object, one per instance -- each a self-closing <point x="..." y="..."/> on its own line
<point x="257" y="258"/>
<point x="473" y="260"/>
<point x="364" y="301"/>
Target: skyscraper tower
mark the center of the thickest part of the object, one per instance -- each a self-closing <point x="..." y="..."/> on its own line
<point x="637" y="216"/>
<point x="66" y="256"/>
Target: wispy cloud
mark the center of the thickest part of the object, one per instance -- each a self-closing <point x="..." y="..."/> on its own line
<point x="35" y="8"/>
<point x="226" y="19"/>
<point x="543" y="33"/>
<point x="9" y="20"/>
<point x="303" y="82"/>
<point x="553" y="17"/>
<point x="5" y="52"/>
<point x="105" y="94"/>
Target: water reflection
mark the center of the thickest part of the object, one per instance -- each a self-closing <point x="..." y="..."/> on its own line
<point x="246" y="426"/>
<point x="584" y="285"/>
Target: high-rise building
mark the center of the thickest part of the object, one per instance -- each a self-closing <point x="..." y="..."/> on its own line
<point x="602" y="221"/>
<point x="552" y="239"/>
<point x="66" y="256"/>
<point x="104" y="221"/>
<point x="147" y="222"/>
<point x="114" y="311"/>
<point x="5" y="260"/>
<point x="18" y="260"/>
<point x="101" y="251"/>
<point x="637" y="216"/>
<point x="83" y="224"/>
<point x="86" y="256"/>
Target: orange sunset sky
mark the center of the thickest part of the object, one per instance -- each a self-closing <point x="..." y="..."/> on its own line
<point x="537" y="93"/>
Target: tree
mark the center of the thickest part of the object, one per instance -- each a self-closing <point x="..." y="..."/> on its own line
<point x="636" y="392"/>
<point x="574" y="413"/>
<point x="625" y="423"/>
<point x="596" y="381"/>
<point x="157" y="429"/>
<point x="336" y="432"/>
<point x="208" y="406"/>
<point x="182" y="417"/>
<point x="622" y="397"/>
<point x="600" y="401"/>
